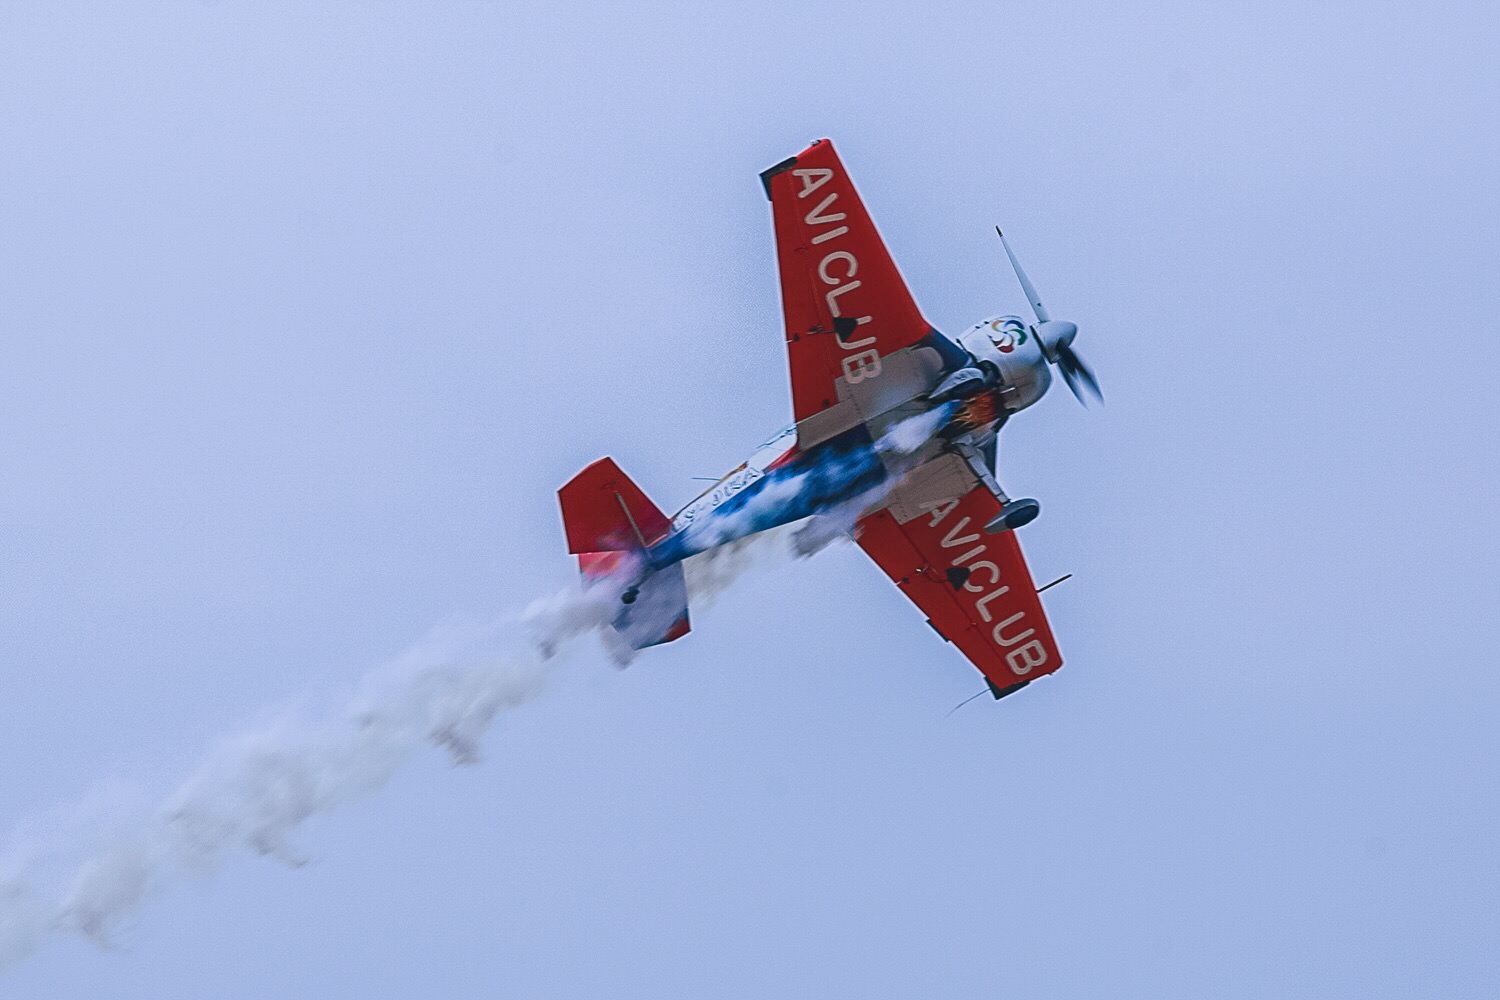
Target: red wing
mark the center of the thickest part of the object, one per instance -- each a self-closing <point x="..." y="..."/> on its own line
<point x="991" y="612"/>
<point x="834" y="265"/>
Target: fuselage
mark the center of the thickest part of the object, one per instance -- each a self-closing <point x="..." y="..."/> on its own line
<point x="780" y="483"/>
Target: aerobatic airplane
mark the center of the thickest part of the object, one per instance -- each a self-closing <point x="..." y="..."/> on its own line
<point x="894" y="443"/>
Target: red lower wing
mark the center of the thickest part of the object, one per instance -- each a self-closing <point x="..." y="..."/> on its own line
<point x="974" y="587"/>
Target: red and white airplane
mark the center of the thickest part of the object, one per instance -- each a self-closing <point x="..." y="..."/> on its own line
<point x="894" y="442"/>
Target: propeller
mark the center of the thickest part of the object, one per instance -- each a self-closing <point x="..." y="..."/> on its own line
<point x="1054" y="336"/>
<point x="1074" y="371"/>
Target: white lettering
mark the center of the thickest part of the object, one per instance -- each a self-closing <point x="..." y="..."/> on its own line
<point x="950" y="542"/>
<point x="833" y="296"/>
<point x="999" y="630"/>
<point x="974" y="588"/>
<point x="823" y="175"/>
<point x="850" y="345"/>
<point x="842" y="255"/>
<point x="977" y="550"/>
<point x="816" y="216"/>
<point x="939" y="510"/>
<point x="858" y="367"/>
<point x="983" y="603"/>
<point x="1034" y="653"/>
<point x="866" y="363"/>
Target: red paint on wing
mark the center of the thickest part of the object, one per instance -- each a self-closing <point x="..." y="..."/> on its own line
<point x="994" y="616"/>
<point x="833" y="262"/>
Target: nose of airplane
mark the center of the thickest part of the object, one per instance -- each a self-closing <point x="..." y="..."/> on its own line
<point x="1053" y="334"/>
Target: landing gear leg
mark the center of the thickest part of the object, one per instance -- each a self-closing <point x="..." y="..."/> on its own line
<point x="1013" y="513"/>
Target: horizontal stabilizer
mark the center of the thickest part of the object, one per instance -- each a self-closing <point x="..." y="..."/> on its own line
<point x="660" y="611"/>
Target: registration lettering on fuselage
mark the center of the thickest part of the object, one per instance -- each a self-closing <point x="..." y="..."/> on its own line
<point x="752" y="471"/>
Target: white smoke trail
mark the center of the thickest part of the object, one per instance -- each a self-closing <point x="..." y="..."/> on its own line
<point x="85" y="869"/>
<point x="591" y="606"/>
<point x="822" y="530"/>
<point x="911" y="434"/>
<point x="711" y="573"/>
<point x="579" y="608"/>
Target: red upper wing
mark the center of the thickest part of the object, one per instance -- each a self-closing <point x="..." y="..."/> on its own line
<point x="833" y="264"/>
<point x="994" y="616"/>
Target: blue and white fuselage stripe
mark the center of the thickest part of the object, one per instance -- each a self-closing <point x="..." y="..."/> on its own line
<point x="754" y="498"/>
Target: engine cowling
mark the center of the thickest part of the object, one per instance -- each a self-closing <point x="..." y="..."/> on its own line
<point x="1017" y="353"/>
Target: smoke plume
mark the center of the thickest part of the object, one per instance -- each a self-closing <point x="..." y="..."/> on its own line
<point x="85" y="869"/>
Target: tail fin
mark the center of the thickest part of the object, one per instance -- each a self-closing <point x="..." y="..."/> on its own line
<point x="603" y="511"/>
<point x="606" y="517"/>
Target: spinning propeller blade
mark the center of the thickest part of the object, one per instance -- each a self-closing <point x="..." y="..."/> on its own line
<point x="1055" y="337"/>
<point x="1075" y="371"/>
<point x="1031" y="295"/>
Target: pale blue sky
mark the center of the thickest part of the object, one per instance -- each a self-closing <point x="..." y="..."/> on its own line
<point x="308" y="309"/>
